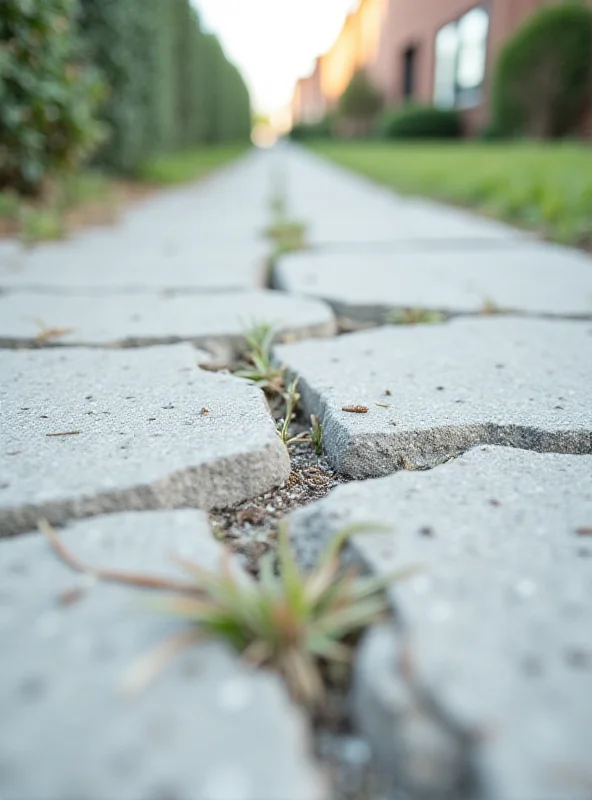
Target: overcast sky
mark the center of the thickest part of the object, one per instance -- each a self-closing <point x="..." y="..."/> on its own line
<point x="274" y="42"/>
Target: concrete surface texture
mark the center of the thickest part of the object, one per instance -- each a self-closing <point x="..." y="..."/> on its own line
<point x="69" y="648"/>
<point x="90" y="431"/>
<point x="342" y="209"/>
<point x="221" y="318"/>
<point x="526" y="278"/>
<point x="480" y="685"/>
<point x="432" y="391"/>
<point x="496" y="619"/>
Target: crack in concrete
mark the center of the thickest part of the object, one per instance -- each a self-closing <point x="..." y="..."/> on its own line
<point x="371" y="455"/>
<point x="197" y="487"/>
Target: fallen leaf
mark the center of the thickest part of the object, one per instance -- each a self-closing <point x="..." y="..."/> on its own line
<point x="356" y="409"/>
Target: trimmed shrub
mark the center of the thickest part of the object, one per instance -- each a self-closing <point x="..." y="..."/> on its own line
<point x="361" y="100"/>
<point x="543" y="78"/>
<point x="47" y="99"/>
<point x="123" y="38"/>
<point x="171" y="86"/>
<point x="420" y="122"/>
<point x="323" y="129"/>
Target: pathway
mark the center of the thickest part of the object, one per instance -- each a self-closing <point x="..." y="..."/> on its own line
<point x="475" y="446"/>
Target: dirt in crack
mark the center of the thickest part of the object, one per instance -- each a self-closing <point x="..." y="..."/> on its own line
<point x="250" y="528"/>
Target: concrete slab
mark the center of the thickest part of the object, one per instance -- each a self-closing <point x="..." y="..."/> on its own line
<point x="104" y="260"/>
<point x="208" y="727"/>
<point x="343" y="208"/>
<point x="149" y="318"/>
<point x="497" y="621"/>
<point x="504" y="381"/>
<point x="532" y="278"/>
<point x="153" y="431"/>
<point x="206" y="235"/>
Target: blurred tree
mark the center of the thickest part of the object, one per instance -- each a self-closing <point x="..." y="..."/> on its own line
<point x="361" y="100"/>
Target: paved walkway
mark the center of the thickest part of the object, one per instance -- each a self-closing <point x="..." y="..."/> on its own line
<point x="478" y="428"/>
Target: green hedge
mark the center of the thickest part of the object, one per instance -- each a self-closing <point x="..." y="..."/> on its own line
<point x="543" y="78"/>
<point x="171" y="86"/>
<point x="419" y="122"/>
<point x="47" y="101"/>
<point x="323" y="129"/>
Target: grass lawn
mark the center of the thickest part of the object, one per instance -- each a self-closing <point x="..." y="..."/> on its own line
<point x="545" y="187"/>
<point x="91" y="198"/>
<point x="189" y="164"/>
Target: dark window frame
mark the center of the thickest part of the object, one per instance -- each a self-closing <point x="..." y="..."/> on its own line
<point x="464" y="97"/>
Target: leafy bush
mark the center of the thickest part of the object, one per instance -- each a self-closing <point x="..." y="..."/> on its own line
<point x="421" y="122"/>
<point x="361" y="99"/>
<point x="323" y="129"/>
<point x="47" y="99"/>
<point x="543" y="77"/>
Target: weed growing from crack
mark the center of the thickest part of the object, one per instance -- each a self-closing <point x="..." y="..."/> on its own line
<point x="414" y="316"/>
<point x="291" y="398"/>
<point x="288" y="235"/>
<point x="490" y="307"/>
<point x="259" y="340"/>
<point x="299" y="624"/>
<point x="316" y="434"/>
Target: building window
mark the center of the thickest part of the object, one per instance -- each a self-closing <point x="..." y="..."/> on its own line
<point x="409" y="62"/>
<point x="461" y="52"/>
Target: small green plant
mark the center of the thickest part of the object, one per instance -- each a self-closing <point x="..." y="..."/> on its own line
<point x="414" y="316"/>
<point x="259" y="340"/>
<point x="292" y="398"/>
<point x="299" y="624"/>
<point x="289" y="235"/>
<point x="316" y="434"/>
<point x="40" y="224"/>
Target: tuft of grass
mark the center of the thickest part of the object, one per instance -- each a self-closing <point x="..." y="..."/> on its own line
<point x="316" y="434"/>
<point x="10" y="205"/>
<point x="289" y="236"/>
<point x="292" y="398"/>
<point x="41" y="224"/>
<point x="188" y="165"/>
<point x="414" y="316"/>
<point x="259" y="340"/>
<point x="299" y="624"/>
<point x="66" y="199"/>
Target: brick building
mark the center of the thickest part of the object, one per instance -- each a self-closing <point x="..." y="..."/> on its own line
<point x="426" y="51"/>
